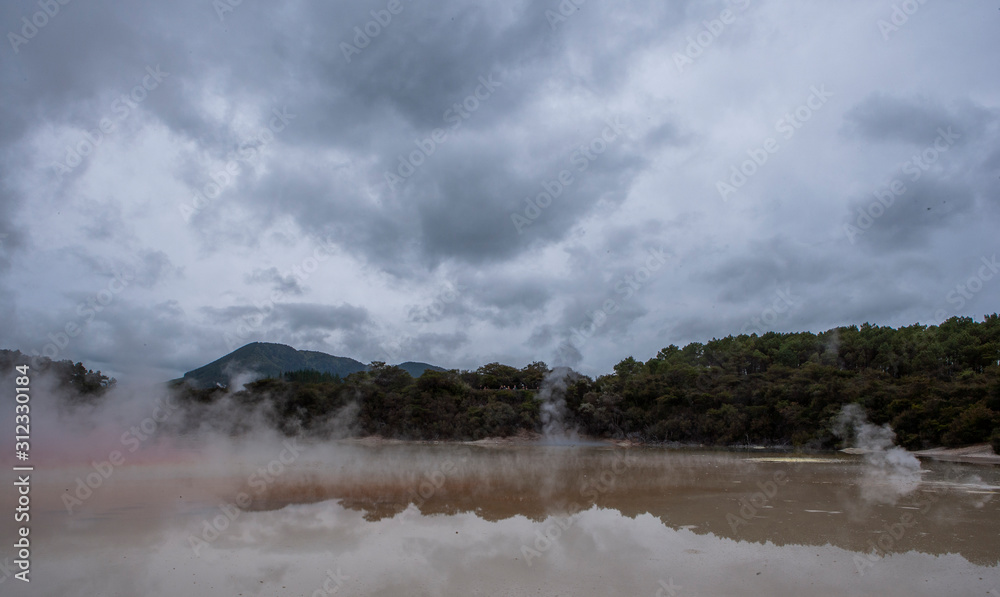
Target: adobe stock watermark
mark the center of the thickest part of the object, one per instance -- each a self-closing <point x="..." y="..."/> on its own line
<point x="554" y="526"/>
<point x="783" y="302"/>
<point x="914" y="167"/>
<point x="364" y="34"/>
<point x="891" y="536"/>
<point x="581" y="158"/>
<point x="752" y="503"/>
<point x="667" y="588"/>
<point x="426" y="314"/>
<point x="332" y="582"/>
<point x="229" y="512"/>
<point x="455" y="117"/>
<point x="86" y="312"/>
<point x="964" y="292"/>
<point x="132" y="438"/>
<point x="420" y="316"/>
<point x="227" y="175"/>
<point x="122" y="106"/>
<point x="37" y="22"/>
<point x="435" y="310"/>
<point x="6" y="570"/>
<point x="300" y="273"/>
<point x="428" y="487"/>
<point x="627" y="287"/>
<point x="711" y="30"/>
<point x="564" y="10"/>
<point x="786" y="126"/>
<point x="224" y="7"/>
<point x="900" y="15"/>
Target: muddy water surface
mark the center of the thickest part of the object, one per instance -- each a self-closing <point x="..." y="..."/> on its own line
<point x="404" y="519"/>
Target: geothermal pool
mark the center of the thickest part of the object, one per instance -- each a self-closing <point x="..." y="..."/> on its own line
<point x="350" y="518"/>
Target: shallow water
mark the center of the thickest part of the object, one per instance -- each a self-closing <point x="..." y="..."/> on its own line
<point x="405" y="519"/>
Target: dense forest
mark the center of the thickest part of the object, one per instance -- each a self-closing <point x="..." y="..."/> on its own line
<point x="72" y="378"/>
<point x="936" y="385"/>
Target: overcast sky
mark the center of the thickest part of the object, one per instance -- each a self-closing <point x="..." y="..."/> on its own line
<point x="459" y="182"/>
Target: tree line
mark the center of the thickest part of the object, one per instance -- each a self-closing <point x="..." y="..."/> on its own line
<point x="935" y="385"/>
<point x="73" y="378"/>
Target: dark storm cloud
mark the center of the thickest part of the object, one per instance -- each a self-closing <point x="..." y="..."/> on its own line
<point x="127" y="333"/>
<point x="444" y="349"/>
<point x="299" y="316"/>
<point x="871" y="294"/>
<point x="13" y="233"/>
<point x="471" y="216"/>
<point x="766" y="265"/>
<point x="437" y="347"/>
<point x="281" y="283"/>
<point x="343" y="330"/>
<point x="887" y="118"/>
<point x="152" y="268"/>
<point x="294" y="316"/>
<point x="400" y="88"/>
<point x="592" y="311"/>
<point x="927" y="207"/>
<point x="508" y="292"/>
<point x="225" y="315"/>
<point x="939" y="186"/>
<point x="495" y="102"/>
<point x="503" y="299"/>
<point x="459" y="204"/>
<point x="388" y="80"/>
<point x="145" y="268"/>
<point x="543" y="335"/>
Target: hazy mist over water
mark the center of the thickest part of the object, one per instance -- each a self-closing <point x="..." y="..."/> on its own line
<point x="449" y="519"/>
<point x="129" y="498"/>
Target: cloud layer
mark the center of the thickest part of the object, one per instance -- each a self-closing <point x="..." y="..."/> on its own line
<point x="461" y="183"/>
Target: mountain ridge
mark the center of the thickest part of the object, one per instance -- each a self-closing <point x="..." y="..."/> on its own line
<point x="270" y="359"/>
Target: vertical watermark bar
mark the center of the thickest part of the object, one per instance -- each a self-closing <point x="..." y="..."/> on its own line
<point x="22" y="473"/>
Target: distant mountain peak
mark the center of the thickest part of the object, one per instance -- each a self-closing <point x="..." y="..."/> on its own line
<point x="416" y="369"/>
<point x="270" y="359"/>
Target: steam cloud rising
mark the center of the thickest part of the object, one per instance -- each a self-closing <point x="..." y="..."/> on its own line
<point x="891" y="471"/>
<point x="553" y="410"/>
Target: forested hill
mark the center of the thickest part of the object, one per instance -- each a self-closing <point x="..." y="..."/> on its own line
<point x="267" y="359"/>
<point x="937" y="385"/>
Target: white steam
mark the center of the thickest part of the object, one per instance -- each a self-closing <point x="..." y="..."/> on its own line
<point x="890" y="472"/>
<point x="553" y="410"/>
<point x="238" y="377"/>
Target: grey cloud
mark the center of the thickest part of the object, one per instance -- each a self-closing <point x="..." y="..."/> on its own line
<point x="293" y="316"/>
<point x="928" y="206"/>
<point x="287" y="284"/>
<point x="766" y="265"/>
<point x="153" y="267"/>
<point x="323" y="176"/>
<point x="439" y="348"/>
<point x="542" y="335"/>
<point x="300" y="316"/>
<point x="224" y="315"/>
<point x="915" y="120"/>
